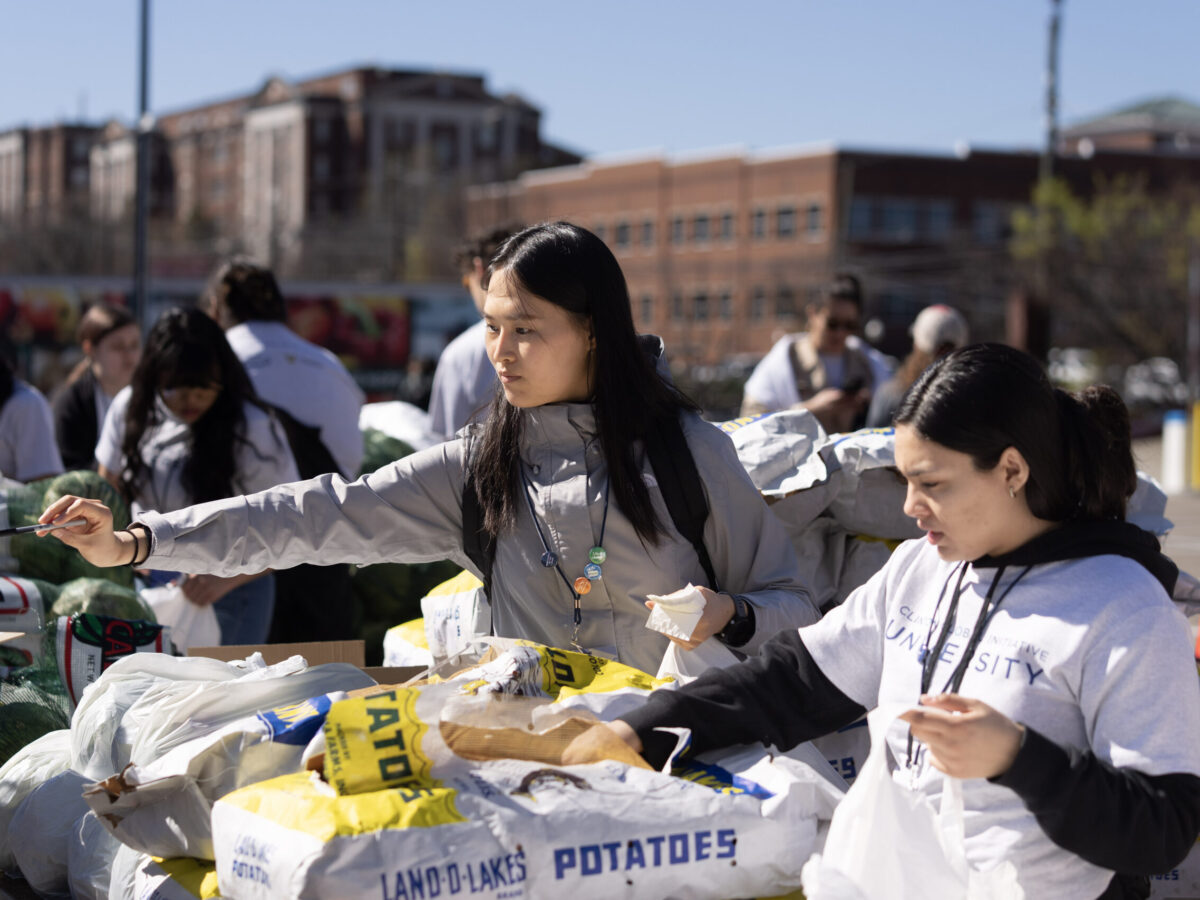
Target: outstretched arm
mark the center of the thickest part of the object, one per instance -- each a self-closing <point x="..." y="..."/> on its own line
<point x="96" y="540"/>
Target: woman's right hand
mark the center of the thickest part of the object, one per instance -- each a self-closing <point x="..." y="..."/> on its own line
<point x="605" y="740"/>
<point x="95" y="539"/>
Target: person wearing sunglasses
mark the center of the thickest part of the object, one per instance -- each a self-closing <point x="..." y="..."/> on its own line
<point x="827" y="370"/>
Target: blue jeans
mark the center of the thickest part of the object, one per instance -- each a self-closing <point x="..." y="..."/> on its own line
<point x="244" y="614"/>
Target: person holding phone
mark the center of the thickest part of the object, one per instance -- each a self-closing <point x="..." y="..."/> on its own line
<point x="827" y="370"/>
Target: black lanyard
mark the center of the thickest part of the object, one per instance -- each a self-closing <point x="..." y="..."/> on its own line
<point x="551" y="557"/>
<point x="929" y="657"/>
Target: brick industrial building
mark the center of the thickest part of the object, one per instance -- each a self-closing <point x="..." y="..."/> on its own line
<point x="721" y="252"/>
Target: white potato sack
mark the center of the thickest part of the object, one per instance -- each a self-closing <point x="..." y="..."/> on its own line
<point x="511" y="828"/>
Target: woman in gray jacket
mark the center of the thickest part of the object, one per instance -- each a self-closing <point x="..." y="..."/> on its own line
<point x="582" y="534"/>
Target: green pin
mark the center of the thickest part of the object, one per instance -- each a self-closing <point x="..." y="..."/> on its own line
<point x="597" y="555"/>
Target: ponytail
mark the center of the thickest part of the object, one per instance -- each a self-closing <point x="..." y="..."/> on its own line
<point x="1098" y="453"/>
<point x="987" y="397"/>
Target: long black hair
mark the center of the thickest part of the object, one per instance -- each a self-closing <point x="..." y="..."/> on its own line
<point x="570" y="267"/>
<point x="984" y="398"/>
<point x="186" y="348"/>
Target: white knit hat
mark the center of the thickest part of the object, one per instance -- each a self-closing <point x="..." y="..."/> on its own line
<point x="938" y="326"/>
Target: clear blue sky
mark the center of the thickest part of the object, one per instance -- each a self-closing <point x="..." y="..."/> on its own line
<point x="628" y="75"/>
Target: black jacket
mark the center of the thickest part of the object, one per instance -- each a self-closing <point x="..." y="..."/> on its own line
<point x="76" y="427"/>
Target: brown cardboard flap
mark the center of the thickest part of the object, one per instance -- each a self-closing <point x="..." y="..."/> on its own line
<point x="393" y="675"/>
<point x="316" y="652"/>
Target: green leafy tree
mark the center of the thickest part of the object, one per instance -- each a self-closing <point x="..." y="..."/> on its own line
<point x="1112" y="267"/>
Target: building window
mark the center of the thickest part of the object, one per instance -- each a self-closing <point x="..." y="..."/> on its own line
<point x="647" y="311"/>
<point x="937" y="220"/>
<point x="677" y="230"/>
<point x="862" y="218"/>
<point x="320" y="167"/>
<point x="785" y="302"/>
<point x="901" y="220"/>
<point x="989" y="223"/>
<point x="700" y="307"/>
<point x="598" y="230"/>
<point x="758" y="304"/>
<point x="758" y="224"/>
<point x="321" y="129"/>
<point x="700" y="228"/>
<point x="727" y="226"/>
<point x="648" y="233"/>
<point x="725" y="306"/>
<point x="814" y="219"/>
<point x="621" y="235"/>
<point x="785" y="221"/>
<point x="677" y="306"/>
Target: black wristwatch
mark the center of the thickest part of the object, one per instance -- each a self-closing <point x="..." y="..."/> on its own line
<point x="740" y="628"/>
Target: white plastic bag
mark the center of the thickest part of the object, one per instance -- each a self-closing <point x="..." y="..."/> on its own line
<point x="43" y="828"/>
<point x="191" y="625"/>
<point x="33" y="764"/>
<point x="90" y="853"/>
<point x="886" y="840"/>
<point x="456" y="612"/>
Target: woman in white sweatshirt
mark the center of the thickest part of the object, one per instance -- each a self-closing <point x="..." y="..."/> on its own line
<point x="1031" y="630"/>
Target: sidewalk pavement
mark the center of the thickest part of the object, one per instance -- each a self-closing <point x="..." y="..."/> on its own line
<point x="1182" y="543"/>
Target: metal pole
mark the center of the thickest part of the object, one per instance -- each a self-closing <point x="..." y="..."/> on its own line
<point x="142" y="186"/>
<point x="1046" y="169"/>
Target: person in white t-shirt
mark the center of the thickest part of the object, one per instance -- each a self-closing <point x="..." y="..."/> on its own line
<point x="27" y="447"/>
<point x="1032" y="632"/>
<point x="309" y="384"/>
<point x="306" y="381"/>
<point x="465" y="380"/>
<point x="827" y="370"/>
<point x="189" y="429"/>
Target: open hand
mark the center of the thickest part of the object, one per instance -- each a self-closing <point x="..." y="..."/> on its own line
<point x="605" y="740"/>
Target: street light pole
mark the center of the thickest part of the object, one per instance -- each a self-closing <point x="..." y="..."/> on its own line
<point x="1051" y="122"/>
<point x="142" y="185"/>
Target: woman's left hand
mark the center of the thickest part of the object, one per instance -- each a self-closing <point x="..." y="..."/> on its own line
<point x="205" y="590"/>
<point x="965" y="737"/>
<point x="718" y="610"/>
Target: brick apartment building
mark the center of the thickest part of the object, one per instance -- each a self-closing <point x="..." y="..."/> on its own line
<point x="721" y="253"/>
<point x="357" y="173"/>
<point x="44" y="173"/>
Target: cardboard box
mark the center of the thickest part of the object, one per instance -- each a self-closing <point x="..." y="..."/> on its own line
<point x="317" y="653"/>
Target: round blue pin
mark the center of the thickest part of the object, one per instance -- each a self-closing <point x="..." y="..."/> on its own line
<point x="592" y="571"/>
<point x="549" y="559"/>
